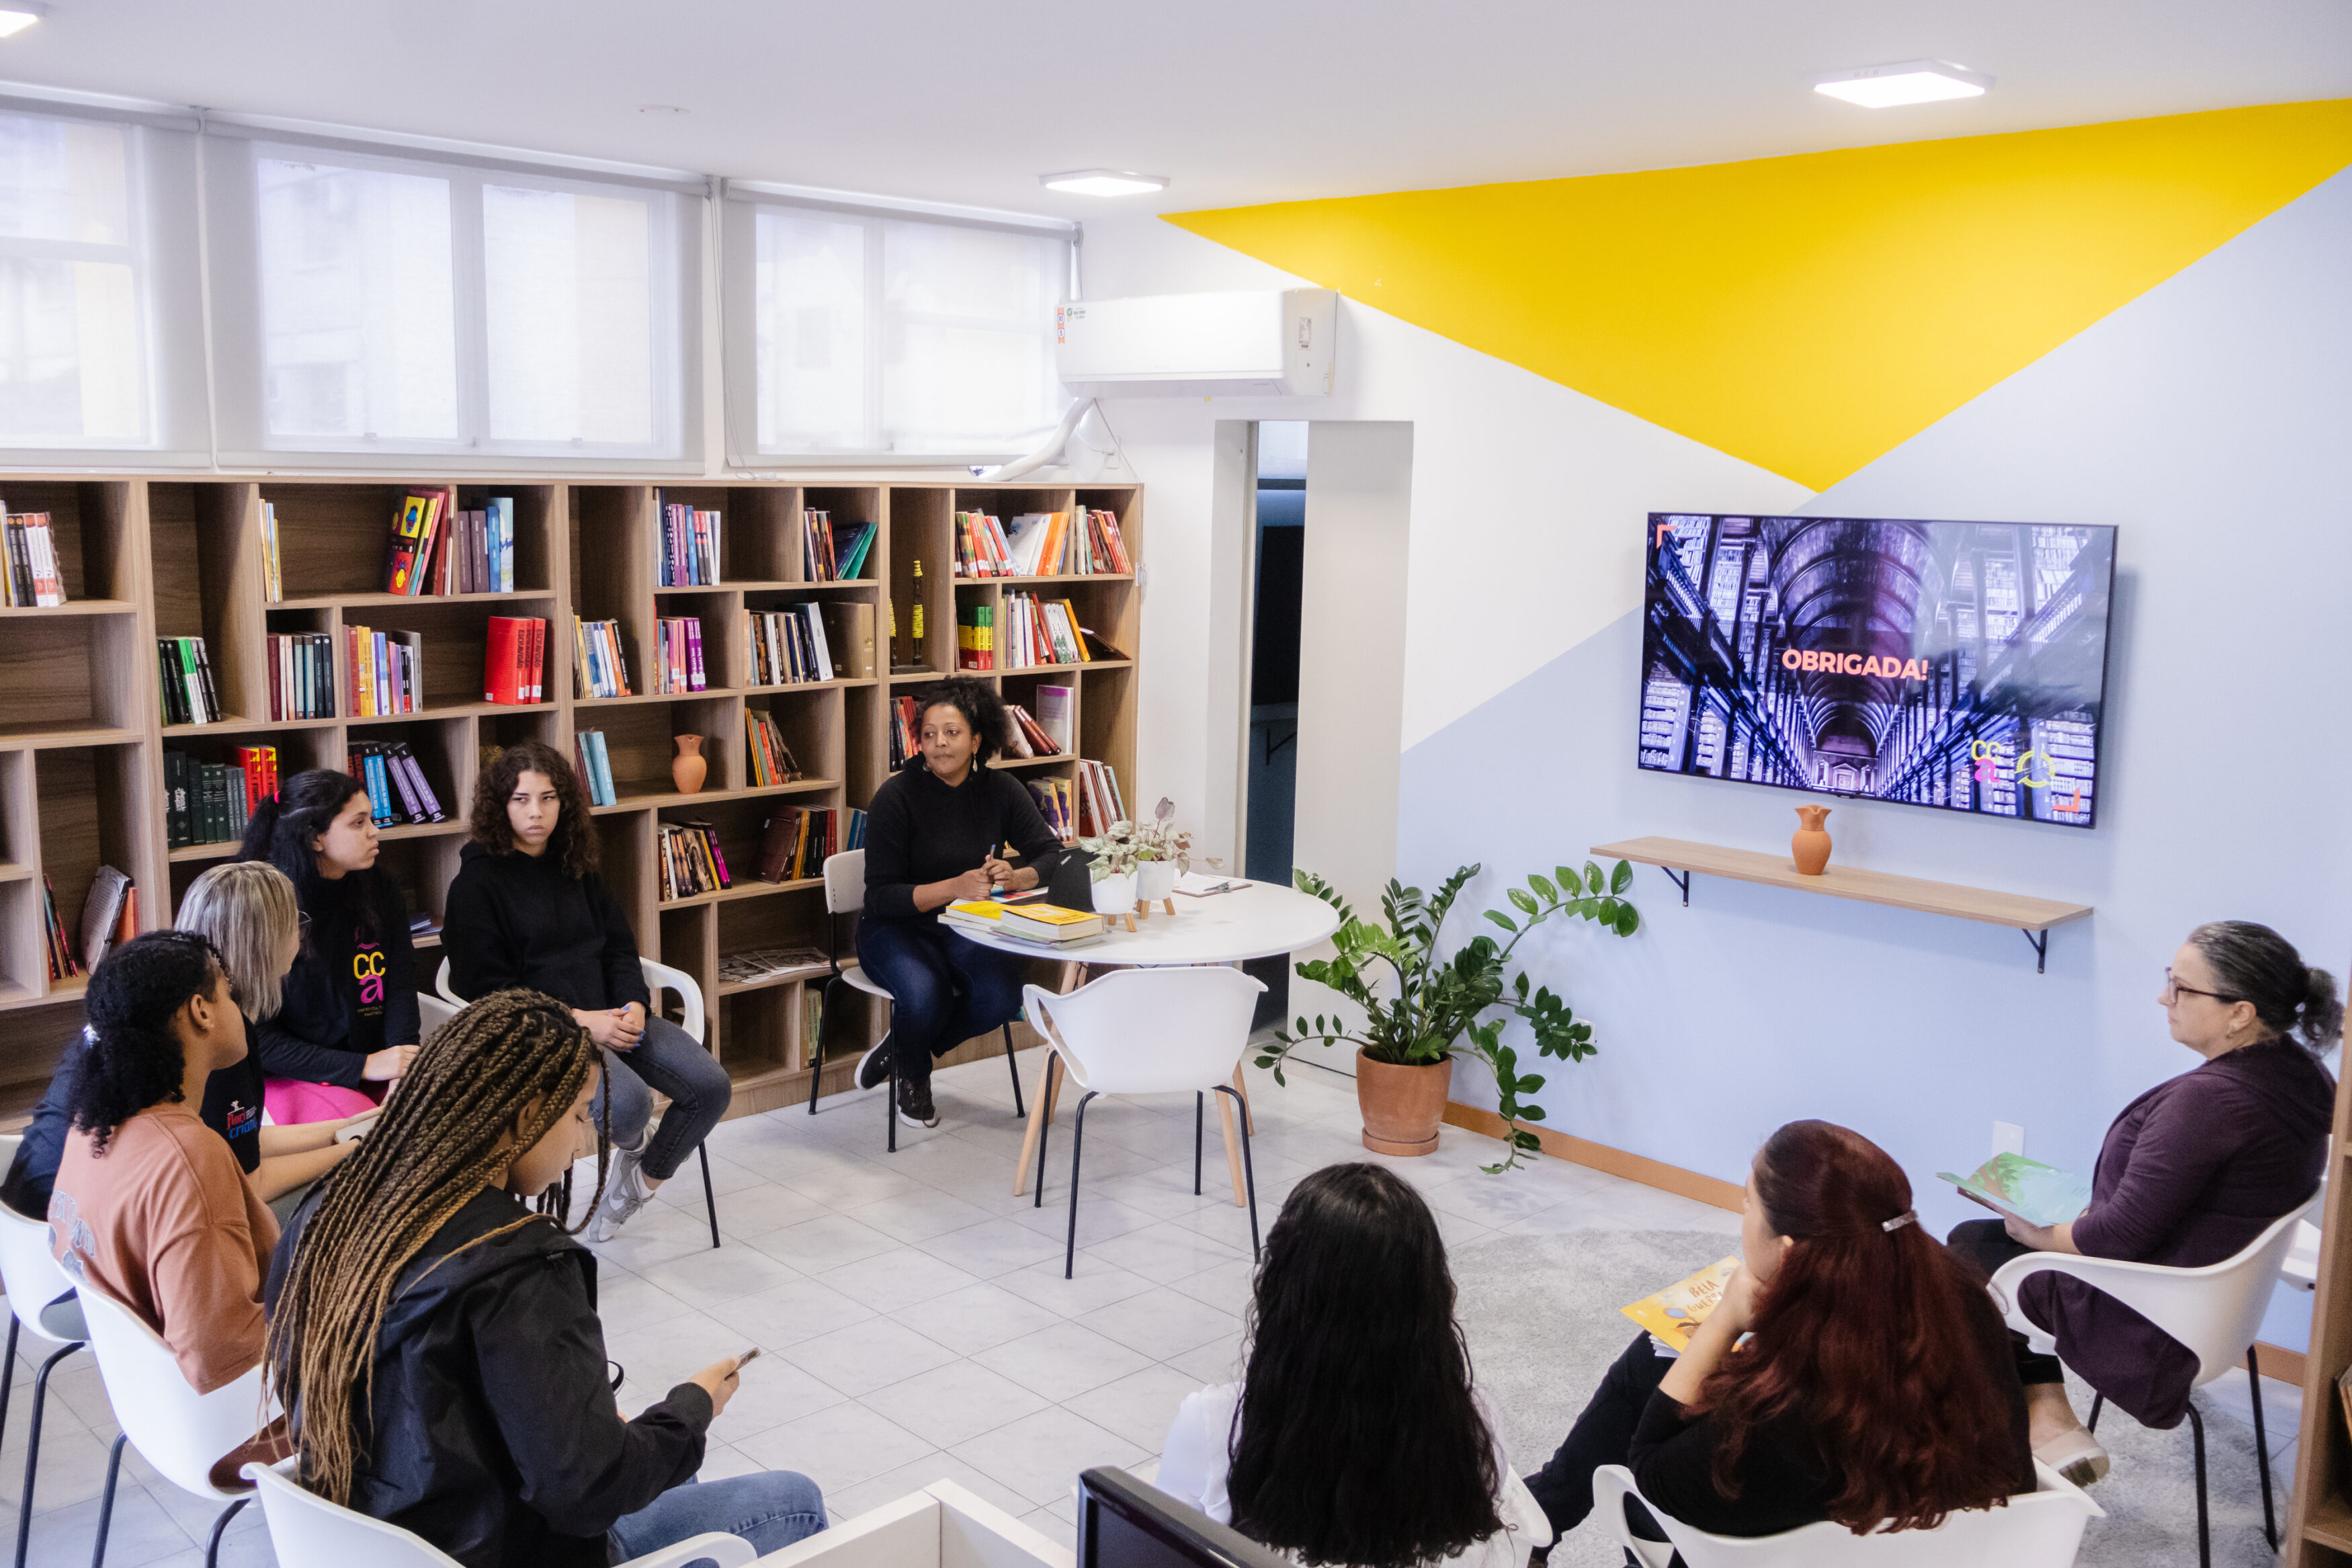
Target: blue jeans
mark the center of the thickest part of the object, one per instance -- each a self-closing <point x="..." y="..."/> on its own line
<point x="944" y="989"/>
<point x="771" y="1510"/>
<point x="668" y="1060"/>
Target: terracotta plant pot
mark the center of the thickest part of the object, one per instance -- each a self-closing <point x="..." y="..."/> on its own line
<point x="690" y="767"/>
<point x="1811" y="844"/>
<point x="1402" y="1106"/>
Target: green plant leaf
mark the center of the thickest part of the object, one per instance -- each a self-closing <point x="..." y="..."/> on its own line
<point x="1526" y="902"/>
<point x="1501" y="919"/>
<point x="1531" y="1112"/>
<point x="1628" y="921"/>
<point x="1592" y="876"/>
<point x="1623" y="877"/>
<point x="1544" y="889"/>
<point x="1609" y="907"/>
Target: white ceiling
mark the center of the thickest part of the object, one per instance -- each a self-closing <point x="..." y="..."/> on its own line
<point x="1237" y="100"/>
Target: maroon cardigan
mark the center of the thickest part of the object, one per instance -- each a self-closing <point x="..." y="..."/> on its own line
<point x="2192" y="1172"/>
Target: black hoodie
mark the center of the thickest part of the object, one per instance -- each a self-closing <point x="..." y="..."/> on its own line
<point x="524" y="920"/>
<point x="494" y="1433"/>
<point x="352" y="988"/>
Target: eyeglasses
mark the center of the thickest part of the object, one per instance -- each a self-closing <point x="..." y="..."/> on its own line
<point x="302" y="922"/>
<point x="2174" y="990"/>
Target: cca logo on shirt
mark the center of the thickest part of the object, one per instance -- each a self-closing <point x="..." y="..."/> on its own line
<point x="367" y="968"/>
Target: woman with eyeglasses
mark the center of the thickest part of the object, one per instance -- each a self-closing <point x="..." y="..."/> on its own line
<point x="2193" y="1171"/>
<point x="348" y="1026"/>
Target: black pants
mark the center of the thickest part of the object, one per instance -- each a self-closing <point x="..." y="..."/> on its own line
<point x="944" y="988"/>
<point x="1988" y="1244"/>
<point x="1603" y="1435"/>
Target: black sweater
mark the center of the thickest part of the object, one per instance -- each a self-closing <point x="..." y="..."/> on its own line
<point x="352" y="989"/>
<point x="919" y="830"/>
<point x="487" y="1426"/>
<point x="523" y="920"/>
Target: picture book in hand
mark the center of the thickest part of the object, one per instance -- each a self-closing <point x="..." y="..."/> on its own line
<point x="2035" y="1193"/>
<point x="1674" y="1313"/>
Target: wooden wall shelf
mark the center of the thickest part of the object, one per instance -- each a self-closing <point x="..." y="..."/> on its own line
<point x="81" y="737"/>
<point x="1678" y="858"/>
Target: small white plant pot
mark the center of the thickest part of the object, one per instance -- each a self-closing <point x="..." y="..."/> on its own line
<point x="1155" y="880"/>
<point x="1115" y="895"/>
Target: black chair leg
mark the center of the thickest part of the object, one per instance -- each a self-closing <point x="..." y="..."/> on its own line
<point x="2204" y="1529"/>
<point x="8" y="1373"/>
<point x="710" y="1199"/>
<point x="2098" y="1403"/>
<point x="106" y="1507"/>
<point x="1077" y="1147"/>
<point x="33" y="1449"/>
<point x="1044" y="1131"/>
<point x="1199" y="1120"/>
<point x="1014" y="1067"/>
<point x="2261" y="1446"/>
<point x="1249" y="1171"/>
<point x="890" y="1105"/>
<point x="211" y="1547"/>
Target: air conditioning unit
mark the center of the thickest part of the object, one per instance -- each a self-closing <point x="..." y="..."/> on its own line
<point x="1273" y="342"/>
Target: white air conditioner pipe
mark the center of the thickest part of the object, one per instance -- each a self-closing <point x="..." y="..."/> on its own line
<point x="1044" y="455"/>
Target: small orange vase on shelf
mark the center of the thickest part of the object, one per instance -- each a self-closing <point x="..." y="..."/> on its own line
<point x="1811" y="844"/>
<point x="689" y="766"/>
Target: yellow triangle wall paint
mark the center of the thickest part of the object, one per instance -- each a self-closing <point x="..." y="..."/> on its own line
<point x="1808" y="313"/>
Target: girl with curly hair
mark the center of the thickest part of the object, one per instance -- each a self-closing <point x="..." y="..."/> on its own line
<point x="529" y="910"/>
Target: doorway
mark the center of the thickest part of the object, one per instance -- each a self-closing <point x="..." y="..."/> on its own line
<point x="1270" y="766"/>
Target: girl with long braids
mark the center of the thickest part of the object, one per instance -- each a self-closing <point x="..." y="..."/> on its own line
<point x="436" y="1341"/>
<point x="1876" y="1386"/>
<point x="347" y="1023"/>
<point x="1355" y="1436"/>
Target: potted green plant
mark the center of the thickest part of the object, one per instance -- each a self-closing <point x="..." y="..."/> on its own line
<point x="1163" y="852"/>
<point x="1421" y="1008"/>
<point x="1117" y="852"/>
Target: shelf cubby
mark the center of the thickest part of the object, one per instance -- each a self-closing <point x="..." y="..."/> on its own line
<point x="96" y="537"/>
<point x="640" y="739"/>
<point x="810" y="720"/>
<point x="922" y="530"/>
<point x="93" y="804"/>
<point x="64" y="679"/>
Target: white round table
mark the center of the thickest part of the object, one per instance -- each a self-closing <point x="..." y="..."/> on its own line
<point x="1255" y="920"/>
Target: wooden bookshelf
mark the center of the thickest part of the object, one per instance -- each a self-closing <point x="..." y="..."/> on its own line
<point x="81" y="737"/>
<point x="2318" y="1520"/>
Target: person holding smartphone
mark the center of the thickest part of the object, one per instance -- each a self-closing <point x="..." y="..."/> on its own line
<point x="474" y="1411"/>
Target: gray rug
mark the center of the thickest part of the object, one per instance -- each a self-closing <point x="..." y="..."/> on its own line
<point x="1541" y="1314"/>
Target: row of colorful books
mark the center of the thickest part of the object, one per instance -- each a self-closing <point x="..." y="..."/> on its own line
<point x="211" y="803"/>
<point x="1099" y="803"/>
<point x="1054" y="797"/>
<point x="185" y="670"/>
<point x="398" y="791"/>
<point x="436" y="548"/>
<point x="807" y="642"/>
<point x="975" y="637"/>
<point x="514" y="660"/>
<point x="601" y="667"/>
<point x="690" y="860"/>
<point x="384" y="672"/>
<point x="110" y="914"/>
<point x="1049" y="735"/>
<point x="595" y="764"/>
<point x="301" y="675"/>
<point x="63" y="963"/>
<point x="30" y="547"/>
<point x="689" y="545"/>
<point x="1042" y="632"/>
<point x="772" y="761"/>
<point x="831" y="552"/>
<point x="1040" y="544"/>
<point x="795" y="841"/>
<point x="678" y="654"/>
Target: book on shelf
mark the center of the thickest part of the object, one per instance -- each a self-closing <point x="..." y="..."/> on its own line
<point x="1024" y="737"/>
<point x="417" y="524"/>
<point x="1067" y="544"/>
<point x="479" y="555"/>
<point x="185" y="670"/>
<point x="63" y="965"/>
<point x="594" y="761"/>
<point x="794" y="842"/>
<point x="771" y="760"/>
<point x="831" y="551"/>
<point x="762" y="963"/>
<point x="1042" y="632"/>
<point x="811" y="1025"/>
<point x="689" y="545"/>
<point x="849" y="641"/>
<point x="600" y="666"/>
<point x="2035" y="1193"/>
<point x="980" y="549"/>
<point x="102" y="913"/>
<point x="1099" y="805"/>
<point x="975" y="637"/>
<point x="398" y="793"/>
<point x="1096" y="646"/>
<point x="690" y="861"/>
<point x="273" y="570"/>
<point x="1672" y="1314"/>
<point x="514" y="660"/>
<point x="1054" y="803"/>
<point x="260" y="765"/>
<point x="904" y="742"/>
<point x="678" y="654"/>
<point x="301" y="675"/>
<point x="790" y="647"/>
<point x="30" y="544"/>
<point x="385" y="672"/>
<point x="1055" y="707"/>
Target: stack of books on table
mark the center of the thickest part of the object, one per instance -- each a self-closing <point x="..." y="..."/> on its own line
<point x="1043" y="925"/>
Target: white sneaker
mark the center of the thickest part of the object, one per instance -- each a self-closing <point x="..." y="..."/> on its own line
<point x="625" y="1192"/>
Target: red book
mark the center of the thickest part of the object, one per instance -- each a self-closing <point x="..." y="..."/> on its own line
<point x="501" y="660"/>
<point x="538" y="661"/>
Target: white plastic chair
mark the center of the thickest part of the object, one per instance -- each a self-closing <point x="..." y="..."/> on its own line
<point x="432" y="1012"/>
<point x="844" y="893"/>
<point x="2039" y="1529"/>
<point x="30" y="1273"/>
<point x="659" y="978"/>
<point x="2214" y="1311"/>
<point x="307" y="1529"/>
<point x="1146" y="1031"/>
<point x="179" y="1431"/>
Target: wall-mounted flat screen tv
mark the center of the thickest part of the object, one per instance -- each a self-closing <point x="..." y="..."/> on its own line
<point x="1958" y="665"/>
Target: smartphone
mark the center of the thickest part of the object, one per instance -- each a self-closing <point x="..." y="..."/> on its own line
<point x="744" y="1358"/>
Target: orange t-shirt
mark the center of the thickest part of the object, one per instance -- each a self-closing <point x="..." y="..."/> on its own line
<point x="166" y="1224"/>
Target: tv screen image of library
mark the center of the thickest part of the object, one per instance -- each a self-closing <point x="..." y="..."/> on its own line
<point x="1952" y="664"/>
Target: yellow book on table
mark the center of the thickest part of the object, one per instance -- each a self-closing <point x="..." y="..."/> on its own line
<point x="1672" y="1314"/>
<point x="1049" y="923"/>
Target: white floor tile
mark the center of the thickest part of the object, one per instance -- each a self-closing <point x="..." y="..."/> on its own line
<point x="866" y="1356"/>
<point x="1139" y="1406"/>
<point x="1064" y="1361"/>
<point x="814" y="1246"/>
<point x="1161" y="1322"/>
<point x="837" y="1448"/>
<point x="1040" y="1456"/>
<point x="899" y="1279"/>
<point x="954" y="1403"/>
<point x="975" y="1318"/>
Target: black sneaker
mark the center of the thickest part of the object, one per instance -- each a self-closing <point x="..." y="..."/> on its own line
<point x="915" y="1107"/>
<point x="874" y="1067"/>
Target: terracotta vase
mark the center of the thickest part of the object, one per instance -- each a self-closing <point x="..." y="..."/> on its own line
<point x="1811" y="844"/>
<point x="1402" y="1106"/>
<point x="690" y="767"/>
